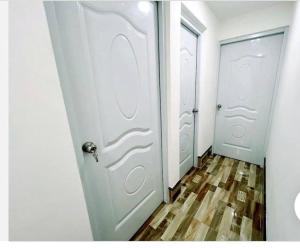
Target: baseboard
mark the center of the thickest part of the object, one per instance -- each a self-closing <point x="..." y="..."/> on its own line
<point x="202" y="159"/>
<point x="175" y="191"/>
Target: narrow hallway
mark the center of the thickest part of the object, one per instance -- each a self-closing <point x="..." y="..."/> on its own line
<point x="224" y="200"/>
<point x="115" y="108"/>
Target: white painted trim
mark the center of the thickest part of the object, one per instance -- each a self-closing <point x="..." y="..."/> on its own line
<point x="189" y="20"/>
<point x="255" y="35"/>
<point x="197" y="101"/>
<point x="280" y="30"/>
<point x="161" y="10"/>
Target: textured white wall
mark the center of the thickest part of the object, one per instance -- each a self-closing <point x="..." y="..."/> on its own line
<point x="46" y="197"/>
<point x="278" y="15"/>
<point x="283" y="168"/>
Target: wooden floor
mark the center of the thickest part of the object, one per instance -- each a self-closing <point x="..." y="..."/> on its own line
<point x="224" y="200"/>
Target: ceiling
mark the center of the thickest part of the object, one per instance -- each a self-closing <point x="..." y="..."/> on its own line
<point x="228" y="9"/>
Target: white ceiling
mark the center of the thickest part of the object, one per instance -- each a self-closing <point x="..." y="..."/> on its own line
<point x="228" y="9"/>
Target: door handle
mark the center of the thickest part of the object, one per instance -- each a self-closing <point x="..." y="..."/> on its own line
<point x="195" y="111"/>
<point x="219" y="106"/>
<point x="90" y="147"/>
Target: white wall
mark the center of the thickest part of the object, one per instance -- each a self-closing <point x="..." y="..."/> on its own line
<point x="278" y="15"/>
<point x="46" y="197"/>
<point x="3" y="120"/>
<point x="172" y="12"/>
<point x="283" y="168"/>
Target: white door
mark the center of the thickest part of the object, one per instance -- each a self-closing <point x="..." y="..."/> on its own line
<point x="246" y="84"/>
<point x="107" y="58"/>
<point x="188" y="68"/>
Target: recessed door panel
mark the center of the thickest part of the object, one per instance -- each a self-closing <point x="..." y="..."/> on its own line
<point x="108" y="54"/>
<point x="247" y="78"/>
<point x="118" y="57"/>
<point x="188" y="58"/>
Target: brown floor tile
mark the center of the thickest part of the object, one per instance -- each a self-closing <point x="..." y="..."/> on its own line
<point x="223" y="200"/>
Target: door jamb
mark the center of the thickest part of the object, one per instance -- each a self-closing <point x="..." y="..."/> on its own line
<point x="281" y="30"/>
<point x="162" y="58"/>
<point x="189" y="20"/>
<point x="251" y="36"/>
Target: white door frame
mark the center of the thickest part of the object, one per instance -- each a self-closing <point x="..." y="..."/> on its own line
<point x="161" y="12"/>
<point x="189" y="20"/>
<point x="280" y="30"/>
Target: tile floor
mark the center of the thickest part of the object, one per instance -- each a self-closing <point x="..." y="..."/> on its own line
<point x="224" y="200"/>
